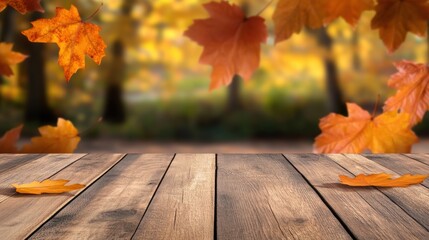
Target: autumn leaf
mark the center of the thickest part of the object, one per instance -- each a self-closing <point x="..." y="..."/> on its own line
<point x="349" y="10"/>
<point x="22" y="6"/>
<point x="9" y="140"/>
<point x="382" y="180"/>
<point x="75" y="38"/>
<point x="412" y="82"/>
<point x="231" y="41"/>
<point x="389" y="132"/>
<point x="395" y="18"/>
<point x="291" y="16"/>
<point x="46" y="186"/>
<point x="8" y="58"/>
<point x="61" y="139"/>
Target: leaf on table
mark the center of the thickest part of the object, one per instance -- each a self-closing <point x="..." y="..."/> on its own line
<point x="395" y="18"/>
<point x="9" y="140"/>
<point x="389" y="132"/>
<point x="349" y="10"/>
<point x="231" y="41"/>
<point x="75" y="38"/>
<point x="291" y="16"/>
<point x="64" y="138"/>
<point x="382" y="180"/>
<point x="22" y="6"/>
<point x="8" y="58"/>
<point x="412" y="82"/>
<point x="46" y="186"/>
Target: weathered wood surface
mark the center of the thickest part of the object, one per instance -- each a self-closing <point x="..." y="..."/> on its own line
<point x="209" y="196"/>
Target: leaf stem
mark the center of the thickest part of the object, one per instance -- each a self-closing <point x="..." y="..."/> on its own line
<point x="96" y="12"/>
<point x="265" y="8"/>
<point x="376" y="106"/>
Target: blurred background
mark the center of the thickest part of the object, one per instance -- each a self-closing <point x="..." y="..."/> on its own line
<point x="153" y="94"/>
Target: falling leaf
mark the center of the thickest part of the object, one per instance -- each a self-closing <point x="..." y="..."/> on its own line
<point x="389" y="132"/>
<point x="9" y="140"/>
<point x="395" y="18"/>
<point x="350" y="10"/>
<point x="8" y="58"/>
<point x="46" y="186"/>
<point x="22" y="6"/>
<point x="382" y="180"/>
<point x="74" y="37"/>
<point x="291" y="16"/>
<point x="412" y="82"/>
<point x="61" y="139"/>
<point x="231" y="41"/>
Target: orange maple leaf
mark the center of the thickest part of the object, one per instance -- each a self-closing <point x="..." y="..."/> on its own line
<point x="74" y="37"/>
<point x="22" y="6"/>
<point x="9" y="140"/>
<point x="350" y="10"/>
<point x="412" y="82"/>
<point x="231" y="41"/>
<point x="46" y="186"/>
<point x="382" y="180"/>
<point x="61" y="139"/>
<point x="395" y="18"/>
<point x="389" y="132"/>
<point x="291" y="16"/>
<point x="8" y="58"/>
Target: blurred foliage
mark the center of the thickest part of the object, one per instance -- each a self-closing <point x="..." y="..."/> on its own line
<point x="165" y="87"/>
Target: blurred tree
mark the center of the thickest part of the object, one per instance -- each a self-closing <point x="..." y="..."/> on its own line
<point x="6" y="34"/>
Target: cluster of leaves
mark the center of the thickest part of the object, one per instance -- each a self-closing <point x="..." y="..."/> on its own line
<point x="75" y="37"/>
<point x="64" y="138"/>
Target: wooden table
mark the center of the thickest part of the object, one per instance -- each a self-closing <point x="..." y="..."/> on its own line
<point x="206" y="196"/>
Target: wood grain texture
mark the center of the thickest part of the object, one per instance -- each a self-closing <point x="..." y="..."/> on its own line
<point x="114" y="205"/>
<point x="183" y="206"/>
<point x="264" y="197"/>
<point x="10" y="161"/>
<point x="36" y="170"/>
<point x="413" y="199"/>
<point x="424" y="158"/>
<point x="368" y="213"/>
<point x="20" y="215"/>
<point x="401" y="164"/>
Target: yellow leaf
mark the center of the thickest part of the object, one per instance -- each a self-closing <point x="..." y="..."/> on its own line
<point x="382" y="180"/>
<point x="61" y="139"/>
<point x="46" y="186"/>
<point x="8" y="58"/>
<point x="9" y="140"/>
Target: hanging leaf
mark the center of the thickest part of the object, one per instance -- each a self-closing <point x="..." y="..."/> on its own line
<point x="61" y="139"/>
<point x="47" y="186"/>
<point x="8" y="58"/>
<point x="291" y="16"/>
<point x="75" y="38"/>
<point x="395" y="18"/>
<point x="231" y="41"/>
<point x="9" y="140"/>
<point x="22" y="6"/>
<point x="389" y="132"/>
<point x="382" y="180"/>
<point x="412" y="82"/>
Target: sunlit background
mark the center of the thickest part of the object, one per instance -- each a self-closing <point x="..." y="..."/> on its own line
<point x="153" y="94"/>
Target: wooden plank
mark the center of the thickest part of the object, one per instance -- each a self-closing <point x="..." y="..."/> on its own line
<point x="367" y="212"/>
<point x="10" y="161"/>
<point x="413" y="199"/>
<point x="183" y="206"/>
<point x="36" y="170"/>
<point x="264" y="197"/>
<point x="401" y="164"/>
<point x="20" y="215"/>
<point x="114" y="205"/>
<point x="424" y="158"/>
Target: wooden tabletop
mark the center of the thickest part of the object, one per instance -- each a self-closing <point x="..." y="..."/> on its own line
<point x="207" y="196"/>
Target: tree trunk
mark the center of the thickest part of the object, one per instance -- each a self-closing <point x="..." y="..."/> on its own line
<point x="234" y="102"/>
<point x="336" y="103"/>
<point x="357" y="62"/>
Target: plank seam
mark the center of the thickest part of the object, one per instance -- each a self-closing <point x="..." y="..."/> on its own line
<point x="415" y="159"/>
<point x="38" y="156"/>
<point x="153" y="196"/>
<point x="76" y="196"/>
<point x="343" y="224"/>
<point x="50" y="176"/>
<point x="215" y="199"/>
